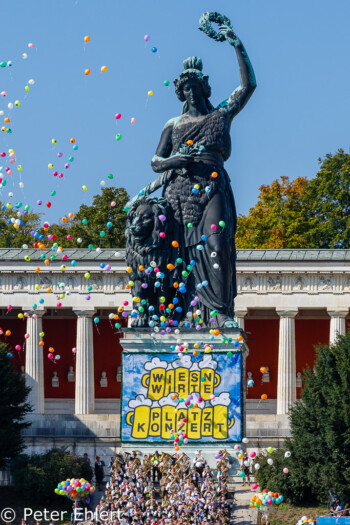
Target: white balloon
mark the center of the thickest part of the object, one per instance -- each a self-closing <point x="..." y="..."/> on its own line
<point x="257" y="466"/>
<point x="216" y="266"/>
<point x="111" y="316"/>
<point x="21" y="185"/>
<point x="24" y="56"/>
<point x="287" y="454"/>
<point x="177" y="331"/>
<point x="18" y="222"/>
<point x="270" y="461"/>
<point x="24" y="246"/>
<point x="57" y="357"/>
<point x="245" y="440"/>
<point x="98" y="250"/>
<point x="31" y="82"/>
<point x="213" y="254"/>
<point x="79" y="240"/>
<point x="156" y="329"/>
<point x="153" y="264"/>
<point x="1" y="113"/>
<point x="13" y="220"/>
<point x="10" y="105"/>
<point x="117" y="254"/>
<point x="10" y="194"/>
<point x="198" y="312"/>
<point x="103" y="183"/>
<point x="246" y="463"/>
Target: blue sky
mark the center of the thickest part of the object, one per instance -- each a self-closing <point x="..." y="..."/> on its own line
<point x="299" y="112"/>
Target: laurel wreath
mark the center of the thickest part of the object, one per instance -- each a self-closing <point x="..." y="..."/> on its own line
<point x="205" y="24"/>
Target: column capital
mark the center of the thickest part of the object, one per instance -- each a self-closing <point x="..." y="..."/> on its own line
<point x="38" y="313"/>
<point x="337" y="312"/>
<point x="84" y="313"/>
<point x="287" y="312"/>
<point x="240" y="312"/>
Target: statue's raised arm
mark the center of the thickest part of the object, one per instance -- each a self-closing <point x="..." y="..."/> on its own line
<point x="244" y="91"/>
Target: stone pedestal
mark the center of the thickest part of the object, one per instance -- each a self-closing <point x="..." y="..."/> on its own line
<point x="34" y="367"/>
<point x="138" y="341"/>
<point x="84" y="375"/>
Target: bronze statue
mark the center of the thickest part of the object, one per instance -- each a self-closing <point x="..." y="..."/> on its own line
<point x="190" y="158"/>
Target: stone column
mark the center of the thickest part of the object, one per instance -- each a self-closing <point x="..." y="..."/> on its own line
<point x="84" y="373"/>
<point x="337" y="325"/>
<point x="240" y="314"/>
<point x="286" y="381"/>
<point x="34" y="367"/>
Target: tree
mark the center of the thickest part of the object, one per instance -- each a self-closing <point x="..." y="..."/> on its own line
<point x="10" y="237"/>
<point x="327" y="203"/>
<point x="320" y="433"/>
<point x="37" y="476"/>
<point x="278" y="220"/>
<point x="13" y="408"/>
<point x="99" y="217"/>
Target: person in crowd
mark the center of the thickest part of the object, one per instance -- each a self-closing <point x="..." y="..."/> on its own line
<point x="99" y="472"/>
<point x="184" y="497"/>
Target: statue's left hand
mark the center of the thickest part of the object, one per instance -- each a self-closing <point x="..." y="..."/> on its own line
<point x="229" y="34"/>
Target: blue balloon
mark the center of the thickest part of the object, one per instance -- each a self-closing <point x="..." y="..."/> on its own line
<point x="102" y="265"/>
<point x="187" y="325"/>
<point x="204" y="238"/>
<point x="151" y="308"/>
<point x="157" y="284"/>
<point x="200" y="247"/>
<point x="175" y="300"/>
<point x="154" y="50"/>
<point x="96" y="320"/>
<point x="178" y="309"/>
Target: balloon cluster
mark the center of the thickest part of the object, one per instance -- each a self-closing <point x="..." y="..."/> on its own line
<point x="75" y="489"/>
<point x="266" y="499"/>
<point x="305" y="520"/>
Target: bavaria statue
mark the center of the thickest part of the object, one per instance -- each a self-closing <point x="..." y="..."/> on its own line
<point x="181" y="247"/>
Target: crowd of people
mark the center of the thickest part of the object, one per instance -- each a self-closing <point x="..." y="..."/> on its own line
<point x="165" y="490"/>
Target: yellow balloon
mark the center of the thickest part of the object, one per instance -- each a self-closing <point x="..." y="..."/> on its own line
<point x="150" y="93"/>
<point x="84" y="187"/>
<point x="20" y="316"/>
<point x="104" y="69"/>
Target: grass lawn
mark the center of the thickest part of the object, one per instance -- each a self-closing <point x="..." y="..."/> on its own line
<point x="287" y="514"/>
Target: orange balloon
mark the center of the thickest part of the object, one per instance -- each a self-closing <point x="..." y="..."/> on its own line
<point x="86" y="38"/>
<point x="37" y="270"/>
<point x="174" y="396"/>
<point x="176" y="285"/>
<point x="6" y="119"/>
<point x="189" y="143"/>
<point x="72" y="141"/>
<point x="214" y="175"/>
<point x="41" y="343"/>
<point x="177" y="448"/>
<point x="70" y="215"/>
<point x="216" y="332"/>
<point x="170" y="266"/>
<point x="175" y="244"/>
<point x="49" y="290"/>
<point x="195" y="353"/>
<point x="239" y="338"/>
<point x="8" y="332"/>
<point x="87" y="72"/>
<point x="264" y="396"/>
<point x="171" y="306"/>
<point x="116" y="317"/>
<point x="195" y="405"/>
<point x="141" y="268"/>
<point x="263" y="370"/>
<point x="51" y="349"/>
<point x="103" y="69"/>
<point x="47" y="261"/>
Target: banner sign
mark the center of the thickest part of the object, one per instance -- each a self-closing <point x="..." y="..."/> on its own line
<point x="149" y="411"/>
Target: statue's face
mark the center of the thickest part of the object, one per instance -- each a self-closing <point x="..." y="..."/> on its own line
<point x="193" y="92"/>
<point x="143" y="222"/>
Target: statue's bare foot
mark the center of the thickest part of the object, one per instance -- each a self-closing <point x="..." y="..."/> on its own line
<point x="225" y="321"/>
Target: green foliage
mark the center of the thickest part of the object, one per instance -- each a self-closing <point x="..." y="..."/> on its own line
<point x="320" y="428"/>
<point x="37" y="476"/>
<point x="302" y="213"/>
<point x="13" y="409"/>
<point x="97" y="215"/>
<point x="278" y="218"/>
<point x="327" y="202"/>
<point x="9" y="236"/>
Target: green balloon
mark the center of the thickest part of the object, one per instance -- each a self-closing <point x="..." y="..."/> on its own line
<point x="2" y="64"/>
<point x="126" y="209"/>
<point x="166" y="83"/>
<point x="89" y="288"/>
<point x="84" y="221"/>
<point x="91" y="246"/>
<point x="179" y="260"/>
<point x="102" y="234"/>
<point x="71" y="159"/>
<point x="190" y="225"/>
<point x="229" y="354"/>
<point x="118" y="136"/>
<point x="53" y="193"/>
<point x="241" y="474"/>
<point x="110" y="176"/>
<point x="222" y="224"/>
<point x="117" y="326"/>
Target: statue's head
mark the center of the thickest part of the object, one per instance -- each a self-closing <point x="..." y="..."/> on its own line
<point x="192" y="83"/>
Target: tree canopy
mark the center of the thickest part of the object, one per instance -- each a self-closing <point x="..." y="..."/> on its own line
<point x="100" y="224"/>
<point x="320" y="433"/>
<point x="11" y="237"/>
<point x="302" y="213"/>
<point x="13" y="408"/>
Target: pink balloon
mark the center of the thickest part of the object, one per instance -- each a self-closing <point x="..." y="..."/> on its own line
<point x="30" y="45"/>
<point x="26" y="314"/>
<point x="254" y="486"/>
<point x="113" y="203"/>
<point x="50" y="356"/>
<point x="35" y="316"/>
<point x="133" y="120"/>
<point x="285" y="470"/>
<point x="236" y="447"/>
<point x="146" y="38"/>
<point x="253" y="454"/>
<point x="17" y="347"/>
<point x="118" y="116"/>
<point x="26" y="336"/>
<point x="9" y="308"/>
<point x="74" y="350"/>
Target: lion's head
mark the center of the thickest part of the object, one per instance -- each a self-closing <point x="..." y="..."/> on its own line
<point x="148" y="219"/>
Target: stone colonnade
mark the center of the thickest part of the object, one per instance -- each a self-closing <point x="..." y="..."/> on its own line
<point x="286" y="382"/>
<point x="84" y="373"/>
